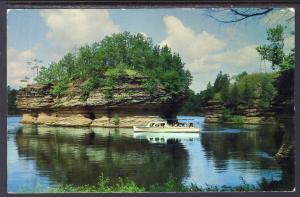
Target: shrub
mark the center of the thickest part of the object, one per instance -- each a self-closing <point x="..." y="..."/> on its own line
<point x="150" y="85"/>
<point x="228" y="117"/>
<point x="116" y="119"/>
<point x="108" y="93"/>
<point x="59" y="89"/>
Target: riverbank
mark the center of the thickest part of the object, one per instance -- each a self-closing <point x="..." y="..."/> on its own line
<point x="171" y="185"/>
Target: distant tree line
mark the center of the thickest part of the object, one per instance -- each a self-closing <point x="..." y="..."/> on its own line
<point x="246" y="90"/>
<point x="11" y="101"/>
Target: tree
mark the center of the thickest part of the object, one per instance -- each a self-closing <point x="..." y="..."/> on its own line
<point x="234" y="97"/>
<point x="218" y="84"/>
<point x="274" y="52"/>
<point x="248" y="94"/>
<point x="240" y="76"/>
<point x="267" y="92"/>
<point x="225" y="88"/>
<point x="209" y="92"/>
<point x="11" y="100"/>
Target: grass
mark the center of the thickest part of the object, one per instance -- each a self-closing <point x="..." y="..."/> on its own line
<point x="106" y="185"/>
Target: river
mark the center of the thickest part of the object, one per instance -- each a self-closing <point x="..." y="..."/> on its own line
<point x="42" y="156"/>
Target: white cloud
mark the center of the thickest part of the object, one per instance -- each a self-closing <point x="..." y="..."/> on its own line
<point x="69" y="28"/>
<point x="17" y="67"/>
<point x="188" y="43"/>
<point x="205" y="54"/>
<point x="240" y="58"/>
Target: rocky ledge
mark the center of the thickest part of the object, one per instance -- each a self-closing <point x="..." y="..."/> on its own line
<point x="127" y="105"/>
<point x="214" y="110"/>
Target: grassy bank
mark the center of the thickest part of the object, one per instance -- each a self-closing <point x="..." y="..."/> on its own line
<point x="171" y="185"/>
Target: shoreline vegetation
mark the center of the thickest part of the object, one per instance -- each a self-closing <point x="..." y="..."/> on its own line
<point x="171" y="185"/>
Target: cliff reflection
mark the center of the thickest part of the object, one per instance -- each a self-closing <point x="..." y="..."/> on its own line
<point x="80" y="155"/>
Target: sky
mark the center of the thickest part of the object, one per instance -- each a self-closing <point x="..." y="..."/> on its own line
<point x="205" y="45"/>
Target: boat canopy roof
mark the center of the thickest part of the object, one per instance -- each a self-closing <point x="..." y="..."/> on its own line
<point x="158" y="121"/>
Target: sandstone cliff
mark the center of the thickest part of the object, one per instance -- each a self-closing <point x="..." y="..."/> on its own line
<point x="128" y="105"/>
<point x="214" y="110"/>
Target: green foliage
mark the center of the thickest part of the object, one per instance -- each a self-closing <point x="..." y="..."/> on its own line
<point x="274" y="52"/>
<point x="246" y="91"/>
<point x="103" y="185"/>
<point x="193" y="104"/>
<point x="209" y="92"/>
<point x="130" y="72"/>
<point x="228" y="117"/>
<point x="221" y="87"/>
<point x="106" y="185"/>
<point x="234" y="97"/>
<point x="116" y="119"/>
<point x="150" y="84"/>
<point x="106" y="63"/>
<point x="11" y="100"/>
<point x="248" y="94"/>
<point x="267" y="91"/>
<point x="59" y="89"/>
<point x="88" y="87"/>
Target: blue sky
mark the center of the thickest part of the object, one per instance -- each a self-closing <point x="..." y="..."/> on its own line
<point x="205" y="45"/>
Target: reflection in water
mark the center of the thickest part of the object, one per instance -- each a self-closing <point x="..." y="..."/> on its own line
<point x="165" y="137"/>
<point x="218" y="155"/>
<point x="240" y="145"/>
<point x="80" y="156"/>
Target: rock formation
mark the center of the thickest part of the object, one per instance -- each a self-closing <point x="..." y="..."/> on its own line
<point x="128" y="105"/>
<point x="213" y="111"/>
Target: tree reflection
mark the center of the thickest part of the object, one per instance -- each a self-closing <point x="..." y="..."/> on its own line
<point x="79" y="156"/>
<point x="255" y="146"/>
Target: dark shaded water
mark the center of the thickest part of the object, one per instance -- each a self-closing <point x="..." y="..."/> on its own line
<point x="219" y="155"/>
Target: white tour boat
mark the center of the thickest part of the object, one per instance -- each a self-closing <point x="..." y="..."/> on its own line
<point x="163" y="126"/>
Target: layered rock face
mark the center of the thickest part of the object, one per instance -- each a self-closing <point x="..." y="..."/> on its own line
<point x="213" y="111"/>
<point x="128" y="105"/>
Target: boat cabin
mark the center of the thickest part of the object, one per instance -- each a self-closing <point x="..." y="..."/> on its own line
<point x="164" y="123"/>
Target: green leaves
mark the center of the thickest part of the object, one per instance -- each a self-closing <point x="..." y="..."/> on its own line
<point x="123" y="54"/>
<point x="274" y="52"/>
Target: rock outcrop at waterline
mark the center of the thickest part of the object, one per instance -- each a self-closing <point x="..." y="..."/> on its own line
<point x="129" y="104"/>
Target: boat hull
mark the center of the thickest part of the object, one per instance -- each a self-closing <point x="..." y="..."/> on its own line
<point x="166" y="129"/>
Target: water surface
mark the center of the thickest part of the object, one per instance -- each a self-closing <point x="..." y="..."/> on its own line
<point x="219" y="155"/>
